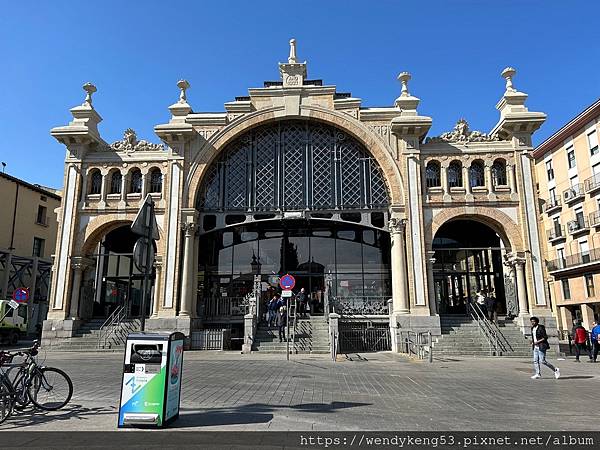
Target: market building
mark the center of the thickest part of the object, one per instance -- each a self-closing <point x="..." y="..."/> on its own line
<point x="568" y="174"/>
<point x="387" y="227"/>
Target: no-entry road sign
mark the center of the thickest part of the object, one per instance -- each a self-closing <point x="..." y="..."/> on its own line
<point x="287" y="282"/>
<point x="20" y="295"/>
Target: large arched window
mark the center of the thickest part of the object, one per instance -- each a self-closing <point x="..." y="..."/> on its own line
<point x="95" y="182"/>
<point x="455" y="174"/>
<point x="135" y="182"/>
<point x="432" y="174"/>
<point x="116" y="180"/>
<point x="476" y="174"/>
<point x="499" y="173"/>
<point x="155" y="181"/>
<point x="293" y="165"/>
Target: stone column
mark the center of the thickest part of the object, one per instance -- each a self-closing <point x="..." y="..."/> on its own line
<point x="156" y="299"/>
<point x="587" y="315"/>
<point x="521" y="287"/>
<point x="399" y="270"/>
<point x="487" y="177"/>
<point x="510" y="175"/>
<point x="466" y="182"/>
<point x="78" y="264"/>
<point x="444" y="178"/>
<point x="188" y="269"/>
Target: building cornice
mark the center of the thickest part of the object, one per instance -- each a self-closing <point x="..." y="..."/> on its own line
<point x="569" y="129"/>
<point x="33" y="187"/>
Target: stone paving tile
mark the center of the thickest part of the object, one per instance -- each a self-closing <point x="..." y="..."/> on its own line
<point x="385" y="392"/>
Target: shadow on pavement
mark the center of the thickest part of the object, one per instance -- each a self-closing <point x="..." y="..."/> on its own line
<point x="577" y="377"/>
<point x="29" y="416"/>
<point x="253" y="413"/>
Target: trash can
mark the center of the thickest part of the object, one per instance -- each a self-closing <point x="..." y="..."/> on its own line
<point x="151" y="386"/>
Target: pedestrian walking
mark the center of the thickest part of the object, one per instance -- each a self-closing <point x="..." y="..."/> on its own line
<point x="272" y="311"/>
<point x="580" y="337"/>
<point x="281" y="323"/>
<point x="480" y="300"/>
<point x="302" y="303"/>
<point x="539" y="343"/>
<point x="595" y="338"/>
<point x="490" y="305"/>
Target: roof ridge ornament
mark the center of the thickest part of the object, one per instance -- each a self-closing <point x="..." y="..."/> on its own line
<point x="183" y="85"/>
<point x="89" y="89"/>
<point x="404" y="78"/>
<point x="130" y="143"/>
<point x="508" y="73"/>
<point x="292" y="57"/>
<point x="462" y="133"/>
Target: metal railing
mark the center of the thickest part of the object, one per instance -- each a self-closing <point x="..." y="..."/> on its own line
<point x="497" y="342"/>
<point x="225" y="306"/>
<point x="416" y="344"/>
<point x="577" y="259"/>
<point x="556" y="232"/>
<point x="574" y="192"/>
<point x="360" y="305"/>
<point x="594" y="218"/>
<point x="592" y="183"/>
<point x="552" y="203"/>
<point x="109" y="329"/>
<point x="579" y="224"/>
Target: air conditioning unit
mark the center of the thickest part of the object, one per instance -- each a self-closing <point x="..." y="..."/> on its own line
<point x="573" y="225"/>
<point x="570" y="194"/>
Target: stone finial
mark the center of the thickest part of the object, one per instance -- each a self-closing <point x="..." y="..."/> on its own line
<point x="89" y="88"/>
<point x="404" y="78"/>
<point x="292" y="57"/>
<point x="508" y="74"/>
<point x="183" y="85"/>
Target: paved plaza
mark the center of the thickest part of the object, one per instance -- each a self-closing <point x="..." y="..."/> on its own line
<point x="382" y="391"/>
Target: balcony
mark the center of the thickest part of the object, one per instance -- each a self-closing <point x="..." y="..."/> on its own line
<point x="592" y="184"/>
<point x="578" y="226"/>
<point x="551" y="205"/>
<point x="573" y="261"/>
<point x="574" y="193"/>
<point x="556" y="233"/>
<point x="595" y="219"/>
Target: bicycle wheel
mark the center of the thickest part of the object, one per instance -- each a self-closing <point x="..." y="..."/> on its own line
<point x="50" y="388"/>
<point x="6" y="401"/>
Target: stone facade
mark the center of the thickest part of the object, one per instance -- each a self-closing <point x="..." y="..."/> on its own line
<point x="421" y="197"/>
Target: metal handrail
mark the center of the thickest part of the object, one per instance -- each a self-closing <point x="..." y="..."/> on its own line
<point x="418" y="344"/>
<point x="496" y="340"/>
<point x="107" y="328"/>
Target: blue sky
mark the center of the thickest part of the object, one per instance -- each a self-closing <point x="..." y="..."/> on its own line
<point x="136" y="51"/>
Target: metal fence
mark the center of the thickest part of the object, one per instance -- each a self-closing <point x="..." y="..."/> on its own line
<point x="416" y="344"/>
<point x="211" y="339"/>
<point x="364" y="337"/>
<point x="225" y="306"/>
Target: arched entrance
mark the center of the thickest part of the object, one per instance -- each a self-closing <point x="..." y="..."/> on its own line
<point x="118" y="281"/>
<point x="299" y="197"/>
<point x="468" y="258"/>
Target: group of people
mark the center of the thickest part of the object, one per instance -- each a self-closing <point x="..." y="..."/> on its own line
<point x="486" y="300"/>
<point x="277" y="311"/>
<point x="585" y="341"/>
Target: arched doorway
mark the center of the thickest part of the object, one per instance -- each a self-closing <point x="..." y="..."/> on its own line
<point x="468" y="257"/>
<point x="118" y="281"/>
<point x="299" y="197"/>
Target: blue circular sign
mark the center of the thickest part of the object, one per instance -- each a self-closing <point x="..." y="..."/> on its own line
<point x="20" y="295"/>
<point x="287" y="282"/>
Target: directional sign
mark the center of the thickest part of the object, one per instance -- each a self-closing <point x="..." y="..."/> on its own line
<point x="144" y="223"/>
<point x="20" y="295"/>
<point x="13" y="304"/>
<point x="287" y="282"/>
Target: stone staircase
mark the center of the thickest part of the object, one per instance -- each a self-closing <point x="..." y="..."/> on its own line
<point x="86" y="338"/>
<point x="461" y="336"/>
<point x="312" y="336"/>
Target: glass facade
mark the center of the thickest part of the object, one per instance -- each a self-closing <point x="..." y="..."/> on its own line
<point x="331" y="260"/>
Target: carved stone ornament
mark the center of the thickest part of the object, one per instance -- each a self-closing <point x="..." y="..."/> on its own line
<point x="130" y="143"/>
<point x="396" y="225"/>
<point x="462" y="133"/>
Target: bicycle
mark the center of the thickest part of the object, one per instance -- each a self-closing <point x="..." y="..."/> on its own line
<point x="48" y="388"/>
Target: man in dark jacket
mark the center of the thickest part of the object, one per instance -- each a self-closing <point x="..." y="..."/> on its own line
<point x="281" y="321"/>
<point x="539" y="343"/>
<point x="595" y="338"/>
<point x="302" y="303"/>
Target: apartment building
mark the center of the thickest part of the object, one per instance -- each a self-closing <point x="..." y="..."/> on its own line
<point x="568" y="174"/>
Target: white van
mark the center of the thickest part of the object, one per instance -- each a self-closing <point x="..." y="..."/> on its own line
<point x="14" y="324"/>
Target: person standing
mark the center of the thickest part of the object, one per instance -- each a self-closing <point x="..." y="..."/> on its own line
<point x="539" y="343"/>
<point x="490" y="305"/>
<point x="302" y="302"/>
<point x="272" y="311"/>
<point x="480" y="300"/>
<point x="595" y="338"/>
<point x="580" y="336"/>
<point x="281" y="321"/>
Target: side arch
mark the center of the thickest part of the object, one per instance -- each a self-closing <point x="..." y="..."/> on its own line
<point x="498" y="221"/>
<point x="212" y="147"/>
